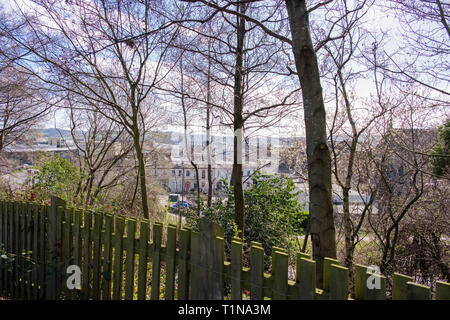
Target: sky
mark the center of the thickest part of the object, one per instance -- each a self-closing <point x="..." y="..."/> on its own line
<point x="379" y="20"/>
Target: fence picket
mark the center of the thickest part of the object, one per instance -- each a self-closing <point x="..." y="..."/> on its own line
<point x="118" y="258"/>
<point x="22" y="250"/>
<point x="338" y="282"/>
<point x="156" y="260"/>
<point x="399" y="286"/>
<point x="327" y="262"/>
<point x="279" y="275"/>
<point x="43" y="252"/>
<point x="129" y="262"/>
<point x="442" y="290"/>
<point x="306" y="278"/>
<point x="29" y="249"/>
<point x="236" y="267"/>
<point x="96" y="255"/>
<point x="183" y="264"/>
<point x="171" y="248"/>
<point x="256" y="272"/>
<point x="2" y="243"/>
<point x="67" y="247"/>
<point x="17" y="210"/>
<point x="417" y="291"/>
<point x="35" y="274"/>
<point x="143" y="260"/>
<point x="86" y="235"/>
<point x="107" y="258"/>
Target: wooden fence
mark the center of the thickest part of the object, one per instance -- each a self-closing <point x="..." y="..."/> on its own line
<point x="120" y="259"/>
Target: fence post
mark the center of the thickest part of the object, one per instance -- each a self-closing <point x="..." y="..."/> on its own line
<point x="306" y="278"/>
<point x="206" y="255"/>
<point x="417" y="291"/>
<point x="2" y="244"/>
<point x="183" y="264"/>
<point x="54" y="240"/>
<point x="442" y="290"/>
<point x="236" y="268"/>
<point x="327" y="262"/>
<point x="338" y="282"/>
<point x="171" y="249"/>
<point x="399" y="284"/>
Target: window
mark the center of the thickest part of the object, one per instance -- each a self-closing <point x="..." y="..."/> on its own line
<point x="269" y="147"/>
<point x="188" y="173"/>
<point x="203" y="174"/>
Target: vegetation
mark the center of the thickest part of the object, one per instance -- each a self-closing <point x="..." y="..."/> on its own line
<point x="56" y="176"/>
<point x="440" y="160"/>
<point x="274" y="214"/>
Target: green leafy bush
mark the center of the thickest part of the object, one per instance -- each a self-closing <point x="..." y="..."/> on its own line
<point x="273" y="212"/>
<point x="56" y="176"/>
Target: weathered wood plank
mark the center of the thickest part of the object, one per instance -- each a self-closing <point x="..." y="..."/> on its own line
<point x="96" y="255"/>
<point x="130" y="259"/>
<point x="118" y="258"/>
<point x="399" y="286"/>
<point x="417" y="291"/>
<point x="67" y="248"/>
<point x="279" y="275"/>
<point x="156" y="261"/>
<point x="327" y="262"/>
<point x="236" y="268"/>
<point x="442" y="290"/>
<point x="87" y="255"/>
<point x="306" y="278"/>
<point x="256" y="272"/>
<point x="143" y="260"/>
<point x="338" y="282"/>
<point x="107" y="258"/>
<point x="170" y="261"/>
<point x="183" y="264"/>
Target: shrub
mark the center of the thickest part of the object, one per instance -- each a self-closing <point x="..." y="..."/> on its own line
<point x="273" y="212"/>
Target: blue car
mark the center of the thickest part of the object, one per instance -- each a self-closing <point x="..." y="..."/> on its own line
<point x="179" y="204"/>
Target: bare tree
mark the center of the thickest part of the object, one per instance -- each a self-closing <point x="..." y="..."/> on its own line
<point x="22" y="104"/>
<point x="81" y="47"/>
<point x="101" y="148"/>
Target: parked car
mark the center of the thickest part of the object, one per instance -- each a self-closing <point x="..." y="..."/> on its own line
<point x="180" y="204"/>
<point x="173" y="197"/>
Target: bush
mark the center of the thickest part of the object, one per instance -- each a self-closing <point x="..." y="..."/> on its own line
<point x="273" y="213"/>
<point x="56" y="176"/>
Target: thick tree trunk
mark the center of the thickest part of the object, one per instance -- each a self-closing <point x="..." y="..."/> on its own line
<point x="208" y="132"/>
<point x="348" y="232"/>
<point x="318" y="155"/>
<point x="236" y="177"/>
<point x="141" y="171"/>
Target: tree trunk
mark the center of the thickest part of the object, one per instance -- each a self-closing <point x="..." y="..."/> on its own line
<point x="236" y="177"/>
<point x="208" y="130"/>
<point x="141" y="170"/>
<point x="348" y="232"/>
<point x="318" y="155"/>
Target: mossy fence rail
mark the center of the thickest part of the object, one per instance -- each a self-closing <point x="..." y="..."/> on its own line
<point x="41" y="242"/>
